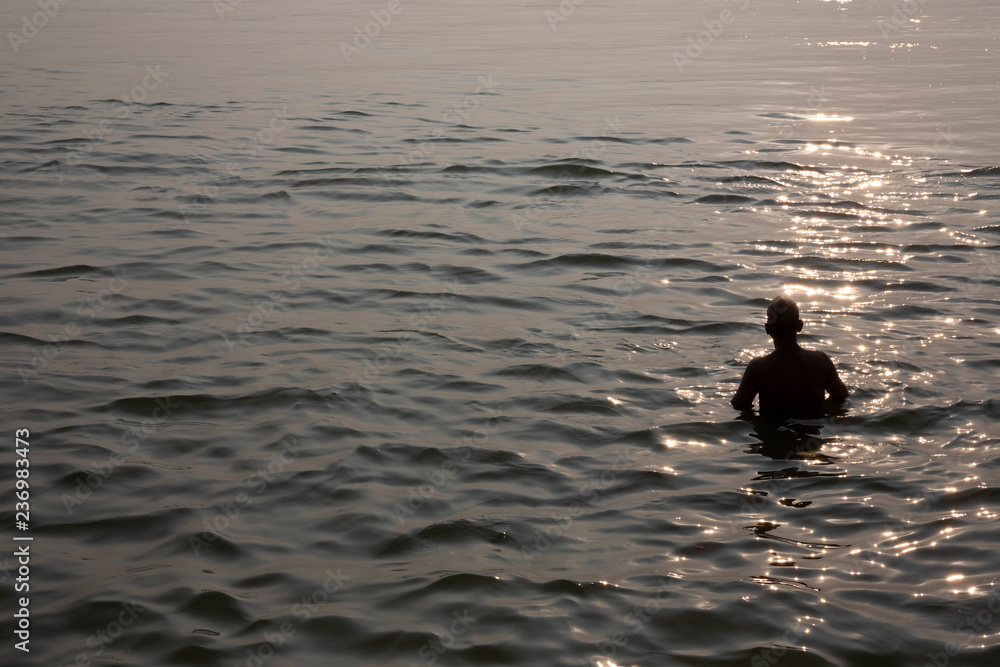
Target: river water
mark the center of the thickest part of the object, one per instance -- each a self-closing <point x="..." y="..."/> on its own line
<point x="415" y="346"/>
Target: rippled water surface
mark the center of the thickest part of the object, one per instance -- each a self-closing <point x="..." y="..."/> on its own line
<point x="425" y="357"/>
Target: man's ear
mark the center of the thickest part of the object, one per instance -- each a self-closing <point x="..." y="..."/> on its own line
<point x="799" y="327"/>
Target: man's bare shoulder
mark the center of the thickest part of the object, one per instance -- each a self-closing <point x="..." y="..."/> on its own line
<point x="813" y="355"/>
<point x="801" y="356"/>
<point x="818" y="356"/>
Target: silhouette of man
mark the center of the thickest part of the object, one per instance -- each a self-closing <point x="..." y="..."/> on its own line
<point x="792" y="381"/>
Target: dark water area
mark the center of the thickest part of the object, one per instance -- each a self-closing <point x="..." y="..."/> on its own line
<point x="421" y="353"/>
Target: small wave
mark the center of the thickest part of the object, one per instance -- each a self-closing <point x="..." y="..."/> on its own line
<point x="72" y="271"/>
<point x="322" y="170"/>
<point x="278" y="196"/>
<point x="379" y="196"/>
<point x="216" y="607"/>
<point x="723" y="199"/>
<point x="334" y="128"/>
<point x="649" y="194"/>
<point x="610" y="138"/>
<point x="750" y="179"/>
<point x="771" y="165"/>
<point x="383" y="248"/>
<point x="51" y="164"/>
<point x="906" y="286"/>
<point x="669" y="140"/>
<point x="538" y="373"/>
<point x="465" y="169"/>
<point x="459" y="531"/>
<point x="843" y="263"/>
<point x="300" y="150"/>
<point x="184" y="137"/>
<point x="568" y="190"/>
<point x="588" y="260"/>
<point x="570" y="170"/>
<point x="320" y="182"/>
<point x="457" y="237"/>
<point x="577" y="404"/>
<point x="982" y="171"/>
<point x="780" y="115"/>
<point x="138" y="320"/>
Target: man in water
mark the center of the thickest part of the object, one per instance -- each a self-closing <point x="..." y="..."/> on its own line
<point x="792" y="381"/>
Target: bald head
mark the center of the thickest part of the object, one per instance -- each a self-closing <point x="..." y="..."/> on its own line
<point x="783" y="317"/>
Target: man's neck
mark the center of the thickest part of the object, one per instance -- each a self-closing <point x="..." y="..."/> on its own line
<point x="786" y="342"/>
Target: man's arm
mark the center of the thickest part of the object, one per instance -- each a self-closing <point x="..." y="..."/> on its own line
<point x="743" y="399"/>
<point x="834" y="385"/>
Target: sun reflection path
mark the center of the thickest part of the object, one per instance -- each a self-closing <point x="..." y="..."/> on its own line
<point x="865" y="231"/>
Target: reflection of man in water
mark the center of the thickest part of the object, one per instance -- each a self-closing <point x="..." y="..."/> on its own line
<point x="791" y="381"/>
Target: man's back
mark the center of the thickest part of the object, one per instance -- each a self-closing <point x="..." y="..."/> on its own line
<point x="795" y="382"/>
